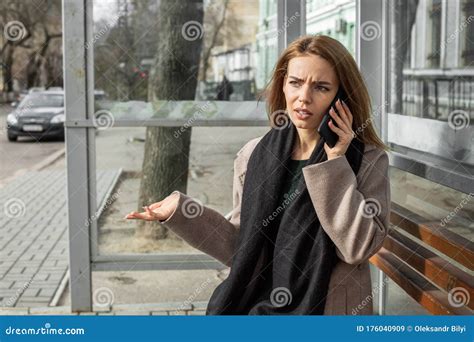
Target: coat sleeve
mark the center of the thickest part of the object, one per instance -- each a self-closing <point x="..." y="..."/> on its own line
<point x="206" y="229"/>
<point x="354" y="211"/>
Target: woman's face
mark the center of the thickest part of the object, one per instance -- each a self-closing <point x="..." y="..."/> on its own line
<point x="309" y="86"/>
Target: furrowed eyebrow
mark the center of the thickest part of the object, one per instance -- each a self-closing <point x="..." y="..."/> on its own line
<point x="317" y="82"/>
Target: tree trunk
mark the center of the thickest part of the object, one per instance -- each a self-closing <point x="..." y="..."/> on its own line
<point x="7" y="68"/>
<point x="173" y="77"/>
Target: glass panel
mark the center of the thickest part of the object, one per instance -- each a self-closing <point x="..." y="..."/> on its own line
<point x="452" y="209"/>
<point x="432" y="117"/>
<point x="210" y="180"/>
<point x="132" y="59"/>
<point x="160" y="292"/>
<point x="33" y="198"/>
<point x="400" y="303"/>
<point x="267" y="42"/>
<point x="431" y="93"/>
<point x="332" y="18"/>
<point x="179" y="112"/>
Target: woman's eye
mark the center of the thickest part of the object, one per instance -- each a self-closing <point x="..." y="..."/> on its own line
<point x="322" y="88"/>
<point x="296" y="83"/>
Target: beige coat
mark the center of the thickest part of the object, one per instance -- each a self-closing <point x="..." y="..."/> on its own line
<point x="354" y="212"/>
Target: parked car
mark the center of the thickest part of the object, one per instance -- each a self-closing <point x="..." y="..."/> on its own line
<point x="40" y="114"/>
<point x="55" y="89"/>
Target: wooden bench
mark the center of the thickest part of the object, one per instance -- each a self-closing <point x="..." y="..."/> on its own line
<point x="434" y="278"/>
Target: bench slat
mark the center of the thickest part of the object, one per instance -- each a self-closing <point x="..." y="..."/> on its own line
<point x="430" y="265"/>
<point x="428" y="295"/>
<point x="453" y="245"/>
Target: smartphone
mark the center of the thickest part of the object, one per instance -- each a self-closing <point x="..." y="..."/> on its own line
<point x="329" y="136"/>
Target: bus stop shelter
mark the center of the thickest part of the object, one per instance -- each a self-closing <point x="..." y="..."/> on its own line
<point x="372" y="55"/>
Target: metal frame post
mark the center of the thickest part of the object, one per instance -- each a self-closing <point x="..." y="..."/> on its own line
<point x="77" y="162"/>
<point x="372" y="55"/>
<point x="291" y="19"/>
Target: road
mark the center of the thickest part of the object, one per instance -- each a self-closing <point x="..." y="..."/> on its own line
<point x="24" y="153"/>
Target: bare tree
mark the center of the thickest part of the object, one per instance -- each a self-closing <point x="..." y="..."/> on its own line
<point x="214" y="18"/>
<point x="33" y="29"/>
<point x="122" y="75"/>
<point x="220" y="25"/>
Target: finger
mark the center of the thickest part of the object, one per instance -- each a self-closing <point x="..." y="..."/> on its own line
<point x="156" y="205"/>
<point x="348" y="111"/>
<point x="131" y="215"/>
<point x="342" y="125"/>
<point x="336" y="130"/>
<point x="343" y="113"/>
<point x="327" y="149"/>
<point x="143" y="216"/>
<point x="152" y="213"/>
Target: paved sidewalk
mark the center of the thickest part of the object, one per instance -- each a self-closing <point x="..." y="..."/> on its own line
<point x="33" y="235"/>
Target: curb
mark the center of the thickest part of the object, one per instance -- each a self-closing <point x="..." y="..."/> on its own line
<point x="37" y="167"/>
<point x="60" y="290"/>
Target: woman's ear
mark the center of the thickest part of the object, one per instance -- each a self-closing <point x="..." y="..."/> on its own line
<point x="284" y="82"/>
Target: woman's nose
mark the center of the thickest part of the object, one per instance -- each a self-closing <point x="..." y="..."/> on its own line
<point x="304" y="95"/>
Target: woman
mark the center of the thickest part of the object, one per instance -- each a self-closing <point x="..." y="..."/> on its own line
<point x="307" y="217"/>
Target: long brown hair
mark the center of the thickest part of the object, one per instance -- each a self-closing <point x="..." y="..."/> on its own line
<point x="350" y="79"/>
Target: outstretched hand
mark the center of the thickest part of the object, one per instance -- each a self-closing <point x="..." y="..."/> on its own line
<point x="159" y="211"/>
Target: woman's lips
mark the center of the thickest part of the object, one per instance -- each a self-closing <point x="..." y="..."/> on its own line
<point x="302" y="114"/>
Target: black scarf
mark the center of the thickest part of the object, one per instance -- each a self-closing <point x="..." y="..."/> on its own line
<point x="282" y="265"/>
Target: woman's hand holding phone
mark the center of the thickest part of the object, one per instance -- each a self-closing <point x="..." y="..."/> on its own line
<point x="343" y="130"/>
<point x="159" y="211"/>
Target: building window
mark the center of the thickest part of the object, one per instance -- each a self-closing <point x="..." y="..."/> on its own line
<point x="435" y="19"/>
<point x="468" y="51"/>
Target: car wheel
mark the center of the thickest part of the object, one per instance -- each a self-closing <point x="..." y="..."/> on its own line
<point x="12" y="137"/>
